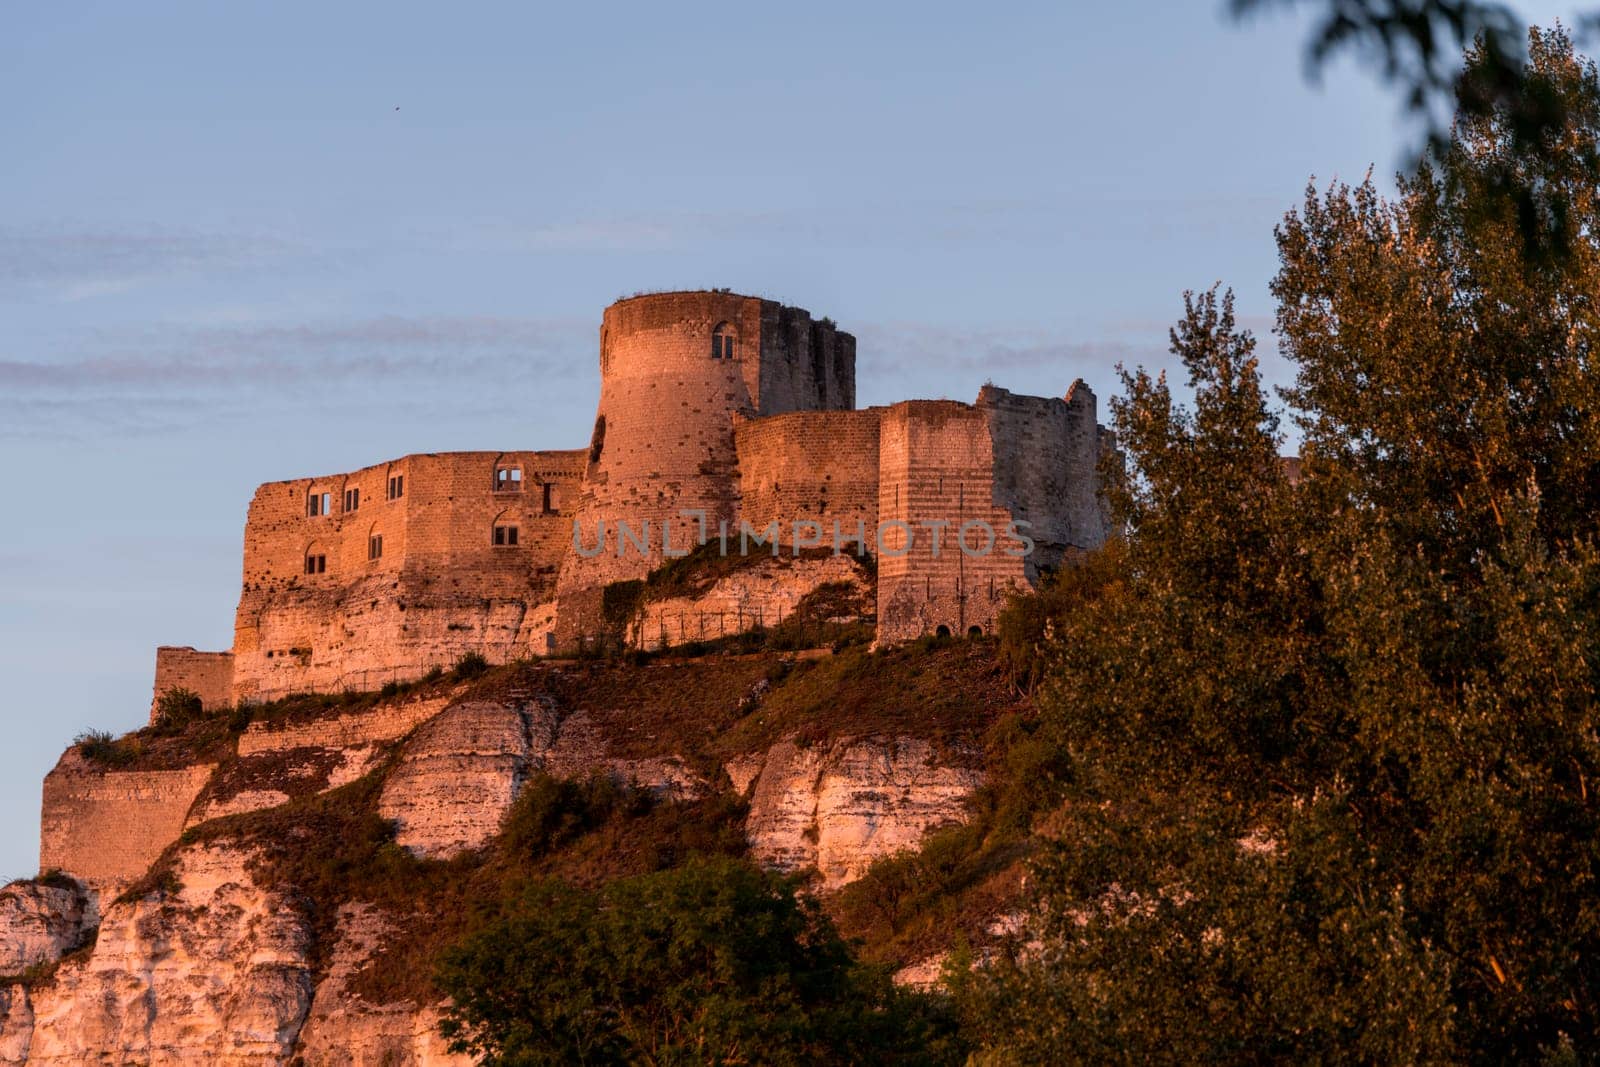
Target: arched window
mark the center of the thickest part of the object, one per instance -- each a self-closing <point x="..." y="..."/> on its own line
<point x="374" y="544"/>
<point x="724" y="342"/>
<point x="942" y="631"/>
<point x="316" y="559"/>
<point x="974" y="631"/>
<point x="397" y="482"/>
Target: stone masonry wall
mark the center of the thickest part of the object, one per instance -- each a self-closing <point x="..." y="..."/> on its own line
<point x="207" y="674"/>
<point x="441" y="586"/>
<point x="105" y="828"/>
<point x="937" y="464"/>
<point x="1045" y="455"/>
<point x="818" y="466"/>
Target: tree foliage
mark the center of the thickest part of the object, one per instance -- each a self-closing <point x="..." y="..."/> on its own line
<point x="716" y="961"/>
<point x="1333" y="737"/>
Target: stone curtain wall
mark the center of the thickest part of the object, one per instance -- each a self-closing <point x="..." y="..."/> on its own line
<point x="106" y="827"/>
<point x="441" y="587"/>
<point x="820" y="466"/>
<point x="207" y="674"/>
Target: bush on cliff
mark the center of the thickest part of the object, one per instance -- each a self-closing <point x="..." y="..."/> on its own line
<point x="716" y="961"/>
<point x="175" y="709"/>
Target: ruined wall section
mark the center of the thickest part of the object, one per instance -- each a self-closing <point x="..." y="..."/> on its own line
<point x="106" y="827"/>
<point x="440" y="587"/>
<point x="818" y="466"/>
<point x="937" y="464"/>
<point x="209" y="675"/>
<point x="663" y="441"/>
<point x="806" y="364"/>
<point x="1045" y="455"/>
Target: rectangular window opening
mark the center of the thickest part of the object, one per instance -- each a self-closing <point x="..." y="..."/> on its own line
<point x="375" y="546"/>
<point x="505" y="536"/>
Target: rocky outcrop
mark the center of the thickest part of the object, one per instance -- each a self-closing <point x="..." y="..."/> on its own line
<point x="214" y="968"/>
<point x="459" y="774"/>
<point x="40" y="922"/>
<point x="839" y="806"/>
<point x="764" y="592"/>
<point x="343" y="1030"/>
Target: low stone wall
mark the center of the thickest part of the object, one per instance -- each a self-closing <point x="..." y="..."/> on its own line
<point x="387" y="722"/>
<point x="105" y="828"/>
<point x="207" y="674"/>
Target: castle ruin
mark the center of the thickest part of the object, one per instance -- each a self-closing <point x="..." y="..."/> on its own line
<point x="718" y="413"/>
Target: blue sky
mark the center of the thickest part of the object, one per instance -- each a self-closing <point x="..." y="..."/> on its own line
<point x="244" y="242"/>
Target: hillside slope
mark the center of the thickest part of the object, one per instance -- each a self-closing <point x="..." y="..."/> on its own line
<point x="262" y="885"/>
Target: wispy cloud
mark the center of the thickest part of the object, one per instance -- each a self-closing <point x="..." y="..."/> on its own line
<point x="159" y="379"/>
<point x="78" y="262"/>
<point x="904" y="348"/>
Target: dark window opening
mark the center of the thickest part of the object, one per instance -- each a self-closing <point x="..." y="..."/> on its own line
<point x="352" y="499"/>
<point x="505" y="536"/>
<point x="722" y="342"/>
<point x="974" y="631"/>
<point x="397" y="486"/>
<point x="942" y="631"/>
<point x="597" y="442"/>
<point x="375" y="546"/>
<point x="316" y="564"/>
<point x="549" y="499"/>
<point x="508" y="479"/>
<point x="319" y="504"/>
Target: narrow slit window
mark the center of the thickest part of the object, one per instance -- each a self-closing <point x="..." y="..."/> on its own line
<point x="549" y="498"/>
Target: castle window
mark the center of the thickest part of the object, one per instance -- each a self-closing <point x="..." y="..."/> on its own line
<point x="505" y="536"/>
<point x="397" y="486"/>
<point x="723" y="342"/>
<point x="352" y="499"/>
<point x="317" y="564"/>
<point x="319" y="504"/>
<point x="375" y="546"/>
<point x="508" y="479"/>
<point x="550" y="502"/>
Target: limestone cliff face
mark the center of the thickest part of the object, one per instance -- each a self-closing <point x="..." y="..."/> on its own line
<point x="40" y="923"/>
<point x="838" y="807"/>
<point x="217" y="964"/>
<point x="217" y="970"/>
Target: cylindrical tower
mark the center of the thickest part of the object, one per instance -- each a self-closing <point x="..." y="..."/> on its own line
<point x="676" y="369"/>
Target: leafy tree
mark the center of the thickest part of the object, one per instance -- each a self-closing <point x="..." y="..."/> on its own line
<point x="713" y="962"/>
<point x="1333" y="739"/>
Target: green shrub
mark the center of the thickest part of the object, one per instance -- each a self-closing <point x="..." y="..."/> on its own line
<point x="98" y="746"/>
<point x="471" y="665"/>
<point x="176" y="708"/>
<point x="717" y="961"/>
